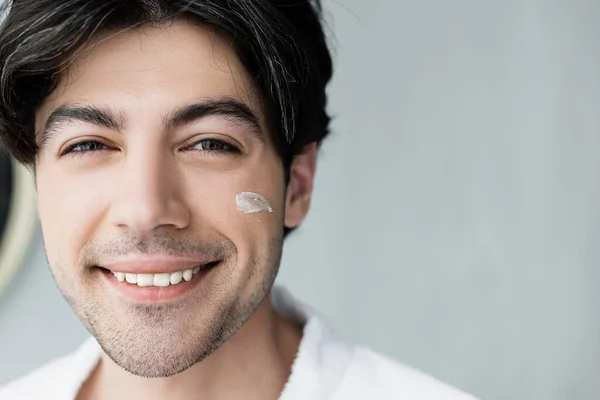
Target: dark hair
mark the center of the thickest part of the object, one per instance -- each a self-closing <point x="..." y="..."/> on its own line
<point x="281" y="43"/>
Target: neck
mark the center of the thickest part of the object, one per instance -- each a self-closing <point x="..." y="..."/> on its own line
<point x="255" y="363"/>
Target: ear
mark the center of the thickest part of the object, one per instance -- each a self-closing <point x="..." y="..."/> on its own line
<point x="300" y="186"/>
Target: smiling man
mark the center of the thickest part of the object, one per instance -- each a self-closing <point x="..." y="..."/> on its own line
<point x="174" y="146"/>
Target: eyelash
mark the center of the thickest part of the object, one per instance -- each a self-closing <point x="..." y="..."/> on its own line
<point x="224" y="147"/>
<point x="71" y="149"/>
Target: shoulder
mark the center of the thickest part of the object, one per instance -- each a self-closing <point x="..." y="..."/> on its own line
<point x="56" y="380"/>
<point x="328" y="366"/>
<point x="371" y="375"/>
<point x="42" y="382"/>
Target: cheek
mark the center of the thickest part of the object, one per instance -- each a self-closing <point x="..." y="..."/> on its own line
<point x="250" y="232"/>
<point x="68" y="210"/>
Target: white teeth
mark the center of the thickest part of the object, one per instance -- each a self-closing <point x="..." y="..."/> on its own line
<point x="159" y="280"/>
<point x="144" y="280"/>
<point x="120" y="276"/>
<point x="176" y="277"/>
<point x="187" y="275"/>
<point x="131" y="278"/>
<point x="162" y="280"/>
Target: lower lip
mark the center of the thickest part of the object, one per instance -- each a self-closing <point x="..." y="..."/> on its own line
<point x="155" y="294"/>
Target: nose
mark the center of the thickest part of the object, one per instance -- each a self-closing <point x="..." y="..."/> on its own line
<point x="149" y="196"/>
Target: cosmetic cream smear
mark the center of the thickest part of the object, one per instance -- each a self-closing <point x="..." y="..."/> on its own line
<point x="249" y="203"/>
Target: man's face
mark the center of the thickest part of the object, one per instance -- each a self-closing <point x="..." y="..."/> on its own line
<point x="151" y="140"/>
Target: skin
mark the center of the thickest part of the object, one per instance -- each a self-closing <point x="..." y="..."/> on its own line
<point x="149" y="189"/>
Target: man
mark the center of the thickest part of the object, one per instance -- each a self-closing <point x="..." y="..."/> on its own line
<point x="174" y="146"/>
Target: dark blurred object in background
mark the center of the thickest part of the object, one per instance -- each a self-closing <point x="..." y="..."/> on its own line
<point x="6" y="188"/>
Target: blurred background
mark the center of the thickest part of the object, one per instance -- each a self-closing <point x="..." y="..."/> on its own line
<point x="455" y="225"/>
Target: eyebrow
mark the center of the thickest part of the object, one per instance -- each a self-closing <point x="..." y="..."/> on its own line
<point x="227" y="108"/>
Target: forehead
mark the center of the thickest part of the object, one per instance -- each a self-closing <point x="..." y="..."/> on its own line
<point x="153" y="70"/>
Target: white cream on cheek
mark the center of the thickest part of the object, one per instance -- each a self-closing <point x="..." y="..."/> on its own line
<point x="249" y="203"/>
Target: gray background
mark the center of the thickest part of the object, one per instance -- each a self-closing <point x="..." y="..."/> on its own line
<point x="455" y="221"/>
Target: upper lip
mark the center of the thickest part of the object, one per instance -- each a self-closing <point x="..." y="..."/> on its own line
<point x="154" y="265"/>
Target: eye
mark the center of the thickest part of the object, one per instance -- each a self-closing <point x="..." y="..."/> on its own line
<point x="87" y="146"/>
<point x="214" y="145"/>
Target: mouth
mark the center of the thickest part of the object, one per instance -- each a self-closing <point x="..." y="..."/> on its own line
<point x="161" y="279"/>
<point x="157" y="287"/>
